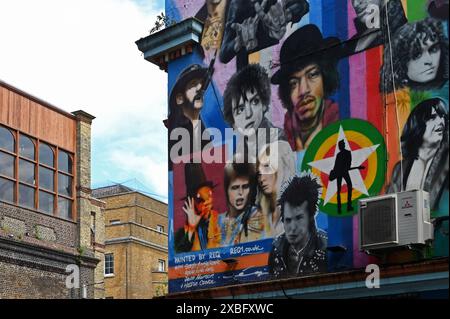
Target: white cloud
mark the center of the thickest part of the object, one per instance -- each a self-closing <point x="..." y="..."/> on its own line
<point x="150" y="172"/>
<point x="81" y="55"/>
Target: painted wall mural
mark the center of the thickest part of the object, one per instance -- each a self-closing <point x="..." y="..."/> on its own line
<point x="288" y="113"/>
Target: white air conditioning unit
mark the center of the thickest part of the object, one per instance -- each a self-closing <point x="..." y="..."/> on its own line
<point x="395" y="220"/>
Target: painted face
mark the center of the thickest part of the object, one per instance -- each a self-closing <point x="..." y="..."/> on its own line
<point x="193" y="93"/>
<point x="296" y="224"/>
<point x="204" y="201"/>
<point x="248" y="113"/>
<point x="434" y="130"/>
<point x="238" y="192"/>
<point x="267" y="176"/>
<point x="306" y="87"/>
<point x="424" y="66"/>
<point x="365" y="9"/>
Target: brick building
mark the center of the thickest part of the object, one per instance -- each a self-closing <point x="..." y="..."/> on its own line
<point x="48" y="219"/>
<point x="136" y="243"/>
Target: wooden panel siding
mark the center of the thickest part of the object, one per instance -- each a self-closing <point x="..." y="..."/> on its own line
<point x="37" y="118"/>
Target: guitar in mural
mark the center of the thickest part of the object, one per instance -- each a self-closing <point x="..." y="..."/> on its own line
<point x="351" y="152"/>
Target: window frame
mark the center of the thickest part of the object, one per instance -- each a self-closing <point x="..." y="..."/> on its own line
<point x="17" y="134"/>
<point x="109" y="267"/>
<point x="163" y="263"/>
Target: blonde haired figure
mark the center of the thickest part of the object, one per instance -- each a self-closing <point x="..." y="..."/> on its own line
<point x="275" y="164"/>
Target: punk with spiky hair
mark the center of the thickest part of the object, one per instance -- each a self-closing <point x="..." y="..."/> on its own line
<point x="301" y="249"/>
<point x="299" y="189"/>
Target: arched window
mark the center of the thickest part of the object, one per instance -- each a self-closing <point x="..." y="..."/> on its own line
<point x="64" y="162"/>
<point x="7" y="141"/>
<point x="7" y="164"/>
<point x="36" y="175"/>
<point x="46" y="155"/>
<point x="26" y="147"/>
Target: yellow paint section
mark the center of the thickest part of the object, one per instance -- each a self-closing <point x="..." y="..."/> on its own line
<point x="362" y="141"/>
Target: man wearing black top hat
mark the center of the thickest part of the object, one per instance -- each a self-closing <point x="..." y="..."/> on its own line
<point x="185" y="103"/>
<point x="307" y="76"/>
<point x="201" y="229"/>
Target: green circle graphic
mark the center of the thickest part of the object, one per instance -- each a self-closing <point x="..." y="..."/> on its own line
<point x="368" y="130"/>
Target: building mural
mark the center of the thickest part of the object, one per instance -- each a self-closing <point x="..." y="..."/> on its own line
<point x="290" y="112"/>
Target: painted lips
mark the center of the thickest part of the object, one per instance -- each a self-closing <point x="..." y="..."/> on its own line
<point x="305" y="105"/>
<point x="239" y="202"/>
<point x="429" y="71"/>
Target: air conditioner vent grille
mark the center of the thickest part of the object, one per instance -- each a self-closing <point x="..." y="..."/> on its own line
<point x="378" y="222"/>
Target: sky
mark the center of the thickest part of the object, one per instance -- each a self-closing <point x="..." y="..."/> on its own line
<point x="81" y="54"/>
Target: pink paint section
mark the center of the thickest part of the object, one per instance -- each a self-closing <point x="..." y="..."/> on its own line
<point x="358" y="109"/>
<point x="358" y="96"/>
<point x="277" y="111"/>
<point x="189" y="8"/>
<point x="351" y="15"/>
<point x="359" y="258"/>
<point x="222" y="73"/>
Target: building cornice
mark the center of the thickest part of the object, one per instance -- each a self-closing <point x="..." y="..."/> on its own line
<point x="131" y="239"/>
<point x="83" y="116"/>
<point x="171" y="43"/>
<point x="45" y="257"/>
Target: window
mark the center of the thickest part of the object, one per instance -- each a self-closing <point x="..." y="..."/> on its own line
<point x="93" y="229"/>
<point x="161" y="265"/>
<point x="160" y="228"/>
<point x="7" y="164"/>
<point x="109" y="264"/>
<point x="35" y="174"/>
<point x="65" y="184"/>
<point x="7" y="141"/>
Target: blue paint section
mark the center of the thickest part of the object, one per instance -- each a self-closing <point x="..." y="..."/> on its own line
<point x="212" y="112"/>
<point x="340" y="230"/>
<point x="171" y="10"/>
<point x="171" y="233"/>
<point x="219" y="279"/>
<point x="343" y="66"/>
<point x="315" y="12"/>
<point x="322" y="221"/>
<point x="340" y="233"/>
<point x="329" y="23"/>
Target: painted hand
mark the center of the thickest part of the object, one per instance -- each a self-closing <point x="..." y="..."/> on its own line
<point x="276" y="19"/>
<point x="189" y="210"/>
<point x="246" y="34"/>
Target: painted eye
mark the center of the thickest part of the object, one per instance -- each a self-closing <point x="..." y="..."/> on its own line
<point x="293" y="83"/>
<point x="435" y="48"/>
<point x="239" y="109"/>
<point x="314" y="74"/>
<point x="417" y="55"/>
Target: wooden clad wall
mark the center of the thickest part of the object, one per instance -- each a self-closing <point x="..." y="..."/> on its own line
<point x="28" y="115"/>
